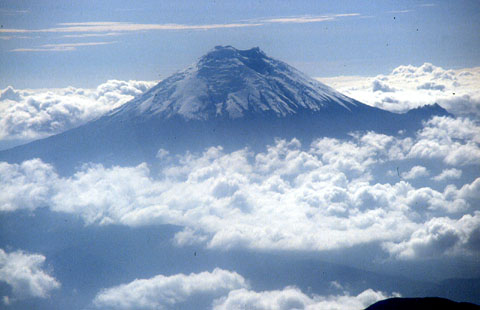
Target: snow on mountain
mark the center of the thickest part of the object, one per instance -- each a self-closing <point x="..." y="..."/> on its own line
<point x="227" y="82"/>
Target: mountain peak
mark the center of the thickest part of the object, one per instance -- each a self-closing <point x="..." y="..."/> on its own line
<point x="228" y="56"/>
<point x="231" y="83"/>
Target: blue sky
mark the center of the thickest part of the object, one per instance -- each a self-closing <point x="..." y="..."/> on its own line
<point x="82" y="44"/>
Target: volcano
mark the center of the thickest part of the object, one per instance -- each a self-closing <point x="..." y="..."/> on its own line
<point x="229" y="97"/>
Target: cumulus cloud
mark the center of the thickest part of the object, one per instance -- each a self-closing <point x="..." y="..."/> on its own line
<point x="440" y="236"/>
<point x="32" y="114"/>
<point x="164" y="292"/>
<point x="448" y="174"/>
<point x="24" y="274"/>
<point x="415" y="172"/>
<point x="453" y="140"/>
<point x="408" y="87"/>
<point x="26" y="186"/>
<point x="226" y="290"/>
<point x="289" y="197"/>
<point x="294" y="298"/>
<point x="382" y="87"/>
<point x="10" y="93"/>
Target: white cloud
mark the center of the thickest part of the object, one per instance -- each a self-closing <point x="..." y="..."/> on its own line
<point x="124" y="27"/>
<point x="415" y="172"/>
<point x="100" y="27"/>
<point x="408" y="87"/>
<point x="453" y="140"/>
<point x="90" y="35"/>
<point x="60" y="47"/>
<point x="300" y="19"/>
<point x="10" y="93"/>
<point x="451" y="173"/>
<point x="293" y="298"/>
<point x="24" y="274"/>
<point x="400" y="11"/>
<point x="440" y="236"/>
<point x="32" y="114"/>
<point x="307" y="18"/>
<point x="27" y="185"/>
<point x="382" y="87"/>
<point x="164" y="292"/>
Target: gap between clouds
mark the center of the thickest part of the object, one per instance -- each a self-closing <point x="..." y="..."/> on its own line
<point x="226" y="290"/>
<point x="326" y="197"/>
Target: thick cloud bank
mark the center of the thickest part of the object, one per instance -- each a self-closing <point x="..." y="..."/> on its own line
<point x="226" y="290"/>
<point x="24" y="274"/>
<point x="408" y="87"/>
<point x="334" y="194"/>
<point x="33" y="114"/>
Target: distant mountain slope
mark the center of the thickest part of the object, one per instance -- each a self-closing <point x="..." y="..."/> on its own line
<point x="230" y="97"/>
<point x="428" y="303"/>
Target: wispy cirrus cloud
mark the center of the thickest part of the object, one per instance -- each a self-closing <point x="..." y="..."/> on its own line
<point x="108" y="29"/>
<point x="90" y="35"/>
<point x="61" y="47"/>
<point x="100" y="27"/>
<point x="400" y="11"/>
<point x="117" y="27"/>
<point x="13" y="12"/>
<point x="300" y="19"/>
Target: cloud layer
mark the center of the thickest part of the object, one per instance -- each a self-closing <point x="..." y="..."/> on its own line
<point x="226" y="290"/>
<point x="333" y="195"/>
<point x="24" y="274"/>
<point x="408" y="87"/>
<point x="33" y="114"/>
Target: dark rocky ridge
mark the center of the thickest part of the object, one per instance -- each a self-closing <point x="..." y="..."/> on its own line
<point x="427" y="303"/>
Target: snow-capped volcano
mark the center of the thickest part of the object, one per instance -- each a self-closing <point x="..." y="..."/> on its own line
<point x="228" y="82"/>
<point x="230" y="98"/>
